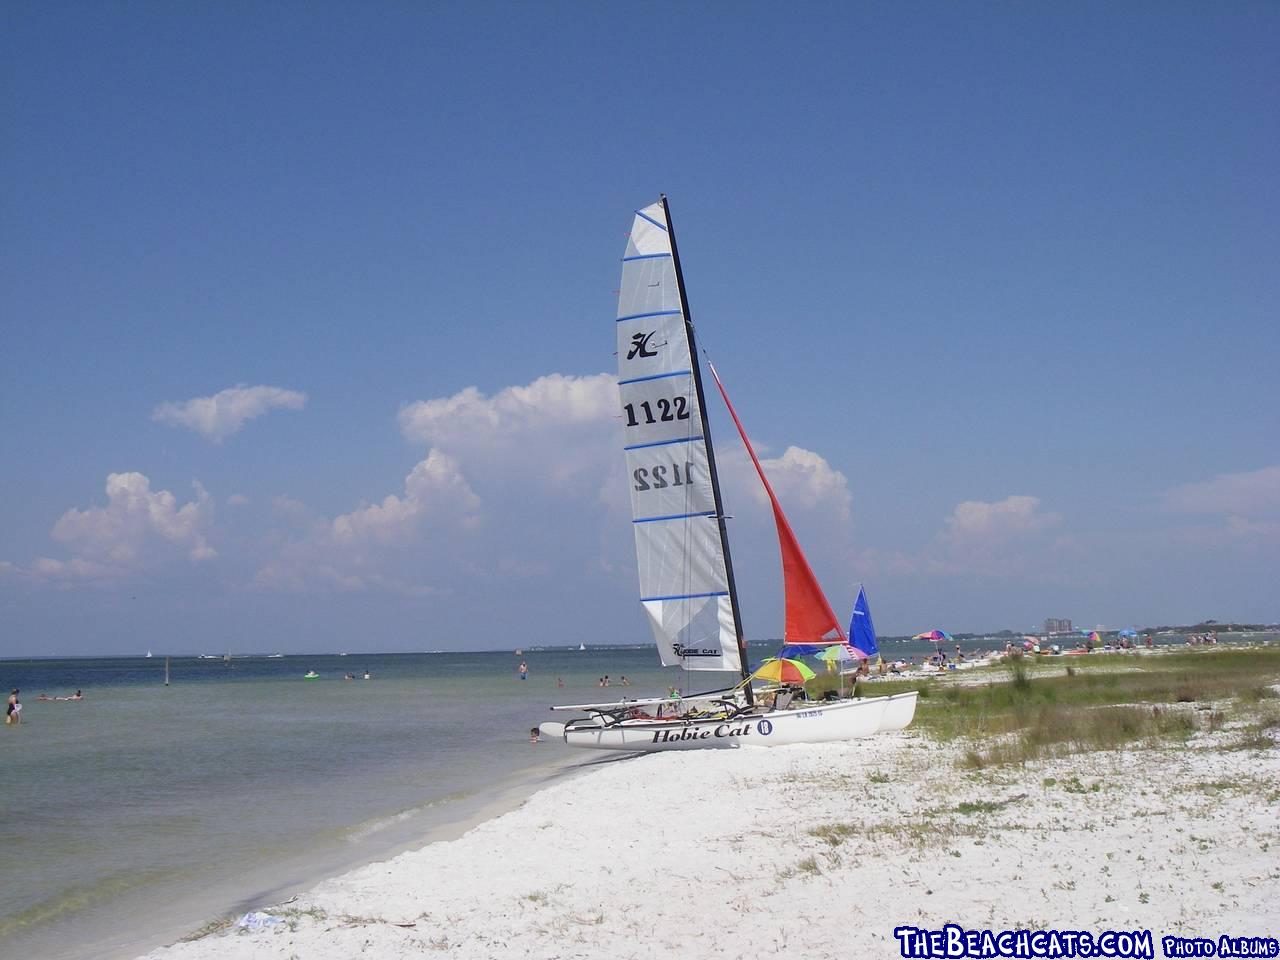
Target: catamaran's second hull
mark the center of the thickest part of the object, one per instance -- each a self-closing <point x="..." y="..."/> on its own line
<point x="898" y="712"/>
<point x="819" y="723"/>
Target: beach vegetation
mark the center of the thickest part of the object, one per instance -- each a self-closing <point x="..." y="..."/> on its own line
<point x="1027" y="709"/>
<point x="212" y="927"/>
<point x="977" y="806"/>
<point x="834" y="834"/>
<point x="878" y="777"/>
<point x="808" y="865"/>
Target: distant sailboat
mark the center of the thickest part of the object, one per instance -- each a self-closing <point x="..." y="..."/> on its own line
<point x="582" y="646"/>
<point x="148" y="655"/>
<point x="862" y="632"/>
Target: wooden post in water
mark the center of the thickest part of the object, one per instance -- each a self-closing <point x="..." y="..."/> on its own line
<point x="166" y="671"/>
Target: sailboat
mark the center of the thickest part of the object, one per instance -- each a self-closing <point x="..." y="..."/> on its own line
<point x="687" y="588"/>
<point x="581" y="647"/>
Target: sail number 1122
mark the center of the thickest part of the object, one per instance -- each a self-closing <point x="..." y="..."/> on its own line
<point x="658" y="478"/>
<point x="676" y="408"/>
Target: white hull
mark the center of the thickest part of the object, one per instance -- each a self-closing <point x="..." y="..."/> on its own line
<point x="898" y="712"/>
<point x="816" y="723"/>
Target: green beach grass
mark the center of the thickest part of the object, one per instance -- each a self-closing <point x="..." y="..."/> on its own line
<point x="1032" y="707"/>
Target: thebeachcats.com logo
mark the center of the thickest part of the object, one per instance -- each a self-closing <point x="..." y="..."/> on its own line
<point x="953" y="941"/>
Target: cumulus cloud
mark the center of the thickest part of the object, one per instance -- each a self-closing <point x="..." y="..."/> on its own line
<point x="435" y="484"/>
<point x="139" y="528"/>
<point x="552" y="401"/>
<point x="1252" y="494"/>
<point x="804" y="480"/>
<point x="976" y="520"/>
<point x="497" y="470"/>
<point x="219" y="416"/>
<point x="359" y="549"/>
<point x="134" y="516"/>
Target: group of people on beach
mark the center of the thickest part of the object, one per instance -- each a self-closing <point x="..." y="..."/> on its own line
<point x="1195" y="639"/>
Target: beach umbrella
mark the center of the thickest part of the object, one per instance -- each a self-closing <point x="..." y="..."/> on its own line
<point x="836" y="654"/>
<point x="783" y="670"/>
<point x="1128" y="633"/>
<point x="937" y="636"/>
<point x="794" y="651"/>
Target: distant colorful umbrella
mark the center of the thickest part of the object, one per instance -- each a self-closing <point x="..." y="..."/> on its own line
<point x="1128" y="633"/>
<point x="783" y="671"/>
<point x="937" y="636"/>
<point x="837" y="652"/>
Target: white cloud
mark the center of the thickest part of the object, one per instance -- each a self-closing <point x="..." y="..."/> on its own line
<point x="804" y="480"/>
<point x="1243" y="505"/>
<point x="136" y="530"/>
<point x="435" y="484"/>
<point x="499" y="471"/>
<point x="133" y="516"/>
<point x="978" y="521"/>
<point x="237" y="500"/>
<point x="550" y="402"/>
<point x="224" y="413"/>
<point x="363" y="548"/>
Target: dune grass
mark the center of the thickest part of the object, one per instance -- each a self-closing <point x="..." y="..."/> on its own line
<point x="1046" y="706"/>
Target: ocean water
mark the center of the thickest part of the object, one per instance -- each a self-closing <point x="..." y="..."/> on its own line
<point x="139" y="813"/>
<point x="136" y="815"/>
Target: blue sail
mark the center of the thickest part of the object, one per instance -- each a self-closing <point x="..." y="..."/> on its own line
<point x="862" y="632"/>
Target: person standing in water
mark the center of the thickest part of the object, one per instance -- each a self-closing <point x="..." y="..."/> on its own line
<point x="13" y="709"/>
<point x="524" y="670"/>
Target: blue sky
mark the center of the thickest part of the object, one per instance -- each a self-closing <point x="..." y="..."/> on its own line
<point x="993" y="286"/>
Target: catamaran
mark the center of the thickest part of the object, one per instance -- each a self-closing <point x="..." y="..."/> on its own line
<point x="687" y="587"/>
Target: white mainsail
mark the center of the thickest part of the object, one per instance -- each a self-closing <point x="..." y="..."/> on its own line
<point x="680" y="553"/>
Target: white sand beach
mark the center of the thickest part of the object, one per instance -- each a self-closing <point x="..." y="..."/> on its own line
<point x="822" y="848"/>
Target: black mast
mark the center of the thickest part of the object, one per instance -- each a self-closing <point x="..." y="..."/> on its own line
<point x="711" y="455"/>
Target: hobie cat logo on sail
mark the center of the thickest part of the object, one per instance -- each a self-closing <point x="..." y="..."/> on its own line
<point x="640" y="346"/>
<point x="682" y="651"/>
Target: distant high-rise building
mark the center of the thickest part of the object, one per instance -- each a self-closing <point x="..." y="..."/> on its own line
<point x="1054" y="625"/>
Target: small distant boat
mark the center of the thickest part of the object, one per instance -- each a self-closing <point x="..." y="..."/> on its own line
<point x="311" y="675"/>
<point x="148" y="654"/>
<point x="274" y="656"/>
<point x="582" y="646"/>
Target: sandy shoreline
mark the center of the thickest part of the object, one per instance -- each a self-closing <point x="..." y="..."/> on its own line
<point x="826" y="847"/>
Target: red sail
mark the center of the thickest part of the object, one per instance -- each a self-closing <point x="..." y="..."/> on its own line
<point x="809" y="616"/>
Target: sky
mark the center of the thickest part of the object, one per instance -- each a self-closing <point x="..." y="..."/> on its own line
<point x="306" y="313"/>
